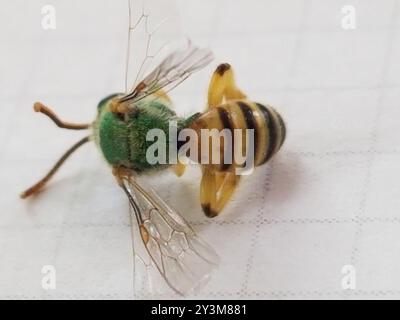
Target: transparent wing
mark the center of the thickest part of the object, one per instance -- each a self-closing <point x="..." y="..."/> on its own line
<point x="168" y="253"/>
<point x="153" y="29"/>
<point x="153" y="25"/>
<point x="173" y="70"/>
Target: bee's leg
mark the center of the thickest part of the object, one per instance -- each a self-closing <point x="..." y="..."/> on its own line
<point x="120" y="172"/>
<point x="226" y="183"/>
<point x="162" y="94"/>
<point x="216" y="189"/>
<point x="208" y="193"/>
<point x="222" y="86"/>
<point x="179" y="169"/>
<point x="41" y="184"/>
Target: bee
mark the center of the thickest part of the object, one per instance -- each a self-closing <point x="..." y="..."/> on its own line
<point x="181" y="257"/>
<point x="229" y="109"/>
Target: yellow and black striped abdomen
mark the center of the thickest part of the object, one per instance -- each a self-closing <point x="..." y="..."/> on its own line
<point x="269" y="128"/>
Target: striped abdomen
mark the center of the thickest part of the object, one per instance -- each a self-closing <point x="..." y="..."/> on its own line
<point x="269" y="128"/>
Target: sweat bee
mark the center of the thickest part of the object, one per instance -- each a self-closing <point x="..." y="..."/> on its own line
<point x="120" y="129"/>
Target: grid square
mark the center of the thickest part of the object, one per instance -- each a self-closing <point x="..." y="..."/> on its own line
<point x="305" y="257"/>
<point x="23" y="253"/>
<point x="100" y="269"/>
<point x="266" y="71"/>
<point x="378" y="261"/>
<point x="340" y="59"/>
<point x="6" y="126"/>
<point x="388" y="135"/>
<point x="321" y="187"/>
<point x="62" y="66"/>
<point x="393" y="71"/>
<point x="18" y="63"/>
<point x="383" y="198"/>
<point x="260" y="16"/>
<point x="330" y="121"/>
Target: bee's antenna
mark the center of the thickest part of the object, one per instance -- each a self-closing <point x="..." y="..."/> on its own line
<point x="38" y="186"/>
<point x="40" y="107"/>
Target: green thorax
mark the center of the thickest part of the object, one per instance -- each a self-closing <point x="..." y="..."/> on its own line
<point x="122" y="139"/>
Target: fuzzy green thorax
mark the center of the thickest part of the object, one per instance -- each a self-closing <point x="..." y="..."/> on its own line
<point x="122" y="140"/>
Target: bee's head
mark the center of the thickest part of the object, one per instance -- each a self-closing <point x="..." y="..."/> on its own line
<point x="109" y="99"/>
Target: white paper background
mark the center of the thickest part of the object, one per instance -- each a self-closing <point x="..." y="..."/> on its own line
<point x="329" y="199"/>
